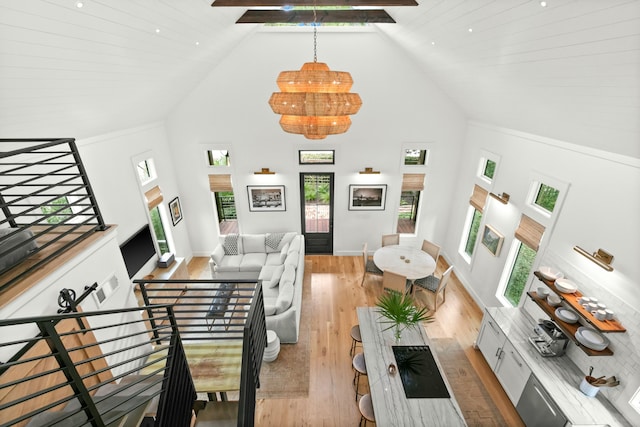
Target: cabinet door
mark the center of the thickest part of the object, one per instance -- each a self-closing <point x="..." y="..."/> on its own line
<point x="512" y="372"/>
<point x="490" y="341"/>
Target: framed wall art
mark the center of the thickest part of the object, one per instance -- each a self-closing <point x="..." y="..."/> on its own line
<point x="266" y="198"/>
<point x="176" y="211"/>
<point x="367" y="197"/>
<point x="492" y="240"/>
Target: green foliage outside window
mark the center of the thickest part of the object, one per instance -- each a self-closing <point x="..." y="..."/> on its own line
<point x="489" y="169"/>
<point x="315" y="190"/>
<point x="218" y="157"/>
<point x="547" y="197"/>
<point x="519" y="273"/>
<point x="158" y="229"/>
<point x="415" y="157"/>
<point x="473" y="232"/>
<point x="55" y="207"/>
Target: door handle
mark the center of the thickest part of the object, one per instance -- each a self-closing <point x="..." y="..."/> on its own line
<point x="516" y="359"/>
<point x="544" y="399"/>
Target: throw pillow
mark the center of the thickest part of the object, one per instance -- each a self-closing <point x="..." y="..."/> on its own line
<point x="295" y="245"/>
<point x="273" y="240"/>
<point x="288" y="275"/>
<point x="285" y="297"/>
<point x="270" y="275"/>
<point x="230" y="244"/>
<point x="283" y="253"/>
<point x="218" y="254"/>
<point x="292" y="259"/>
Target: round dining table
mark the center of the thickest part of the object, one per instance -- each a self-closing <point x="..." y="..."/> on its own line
<point x="413" y="263"/>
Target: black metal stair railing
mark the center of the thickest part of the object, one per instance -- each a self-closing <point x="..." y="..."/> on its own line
<point x="47" y="204"/>
<point x="73" y="376"/>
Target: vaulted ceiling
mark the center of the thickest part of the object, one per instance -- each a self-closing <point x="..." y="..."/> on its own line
<point x="568" y="71"/>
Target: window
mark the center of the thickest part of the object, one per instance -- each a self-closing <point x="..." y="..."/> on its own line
<point x="472" y="223"/>
<point x="59" y="210"/>
<point x="316" y="157"/>
<point x="489" y="169"/>
<point x="523" y="252"/>
<point x="412" y="186"/>
<point x="473" y="232"/>
<point x="146" y="171"/>
<point x="415" y="157"/>
<point x="224" y="203"/>
<point x="158" y="218"/>
<point x="546" y="197"/>
<point x="218" y="158"/>
<point x="519" y="273"/>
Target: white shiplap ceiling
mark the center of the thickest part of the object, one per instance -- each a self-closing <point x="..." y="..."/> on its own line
<point x="568" y="71"/>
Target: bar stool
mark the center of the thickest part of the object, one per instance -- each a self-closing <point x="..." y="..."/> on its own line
<point x="366" y="410"/>
<point x="360" y="369"/>
<point x="355" y="339"/>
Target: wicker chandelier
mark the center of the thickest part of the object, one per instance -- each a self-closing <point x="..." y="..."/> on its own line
<point x="315" y="101"/>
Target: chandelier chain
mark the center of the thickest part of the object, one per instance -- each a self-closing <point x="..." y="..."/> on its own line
<point x="315" y="33"/>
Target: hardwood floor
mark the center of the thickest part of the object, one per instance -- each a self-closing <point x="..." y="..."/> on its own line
<point x="336" y="292"/>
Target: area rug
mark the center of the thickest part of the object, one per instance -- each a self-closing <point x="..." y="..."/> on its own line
<point x="288" y="375"/>
<point x="477" y="407"/>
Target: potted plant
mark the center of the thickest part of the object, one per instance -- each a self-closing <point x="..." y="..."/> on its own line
<point x="401" y="313"/>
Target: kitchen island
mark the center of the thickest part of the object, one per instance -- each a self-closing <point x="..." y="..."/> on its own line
<point x="391" y="405"/>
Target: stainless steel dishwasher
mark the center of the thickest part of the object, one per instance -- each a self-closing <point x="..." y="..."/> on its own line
<point x="536" y="408"/>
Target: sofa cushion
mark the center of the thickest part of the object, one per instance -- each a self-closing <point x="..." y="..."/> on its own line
<point x="231" y="244"/>
<point x="252" y="262"/>
<point x="288" y="275"/>
<point x="270" y="275"/>
<point x="218" y="254"/>
<point x="285" y="297"/>
<point x="253" y="243"/>
<point x="295" y="245"/>
<point x="230" y="263"/>
<point x="270" y="305"/>
<point x="292" y="259"/>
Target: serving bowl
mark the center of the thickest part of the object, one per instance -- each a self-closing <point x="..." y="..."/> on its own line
<point x="554" y="300"/>
<point x="551" y="273"/>
<point x="591" y="338"/>
<point x="565" y="286"/>
<point x="542" y="291"/>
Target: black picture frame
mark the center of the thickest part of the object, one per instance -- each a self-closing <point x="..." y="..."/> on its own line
<point x="367" y="197"/>
<point x="176" y="211"/>
<point x="266" y="198"/>
<point x="301" y="160"/>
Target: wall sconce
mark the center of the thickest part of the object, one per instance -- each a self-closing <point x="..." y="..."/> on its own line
<point x="369" y="171"/>
<point x="602" y="258"/>
<point x="264" y="171"/>
<point x="502" y="198"/>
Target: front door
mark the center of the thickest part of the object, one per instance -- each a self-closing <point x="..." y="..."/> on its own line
<point x="316" y="190"/>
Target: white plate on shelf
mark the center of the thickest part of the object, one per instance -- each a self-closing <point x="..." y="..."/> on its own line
<point x="551" y="273"/>
<point x="565" y="286"/>
<point x="591" y="338"/>
<point x="566" y="315"/>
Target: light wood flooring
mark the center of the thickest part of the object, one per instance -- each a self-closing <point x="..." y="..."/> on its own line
<point x="336" y="293"/>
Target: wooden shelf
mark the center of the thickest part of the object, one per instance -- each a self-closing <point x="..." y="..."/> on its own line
<point x="569" y="329"/>
<point x="572" y="301"/>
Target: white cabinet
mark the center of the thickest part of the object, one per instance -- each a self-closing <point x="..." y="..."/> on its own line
<point x="503" y="359"/>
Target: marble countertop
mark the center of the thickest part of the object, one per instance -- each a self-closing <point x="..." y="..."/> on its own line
<point x="558" y="375"/>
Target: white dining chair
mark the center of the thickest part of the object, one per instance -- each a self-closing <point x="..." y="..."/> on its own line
<point x="394" y="282"/>
<point x="390" y="239"/>
<point x="368" y="266"/>
<point x="434" y="286"/>
<point x="432" y="249"/>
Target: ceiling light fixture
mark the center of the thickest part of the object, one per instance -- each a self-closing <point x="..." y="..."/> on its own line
<point x="502" y="198"/>
<point x="543" y="3"/>
<point x="79" y="4"/>
<point x="315" y="101"/>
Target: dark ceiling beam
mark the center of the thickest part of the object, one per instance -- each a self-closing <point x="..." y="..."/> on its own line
<point x="255" y="16"/>
<point x="310" y="3"/>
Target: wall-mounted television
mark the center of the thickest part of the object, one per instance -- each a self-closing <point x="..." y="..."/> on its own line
<point x="137" y="250"/>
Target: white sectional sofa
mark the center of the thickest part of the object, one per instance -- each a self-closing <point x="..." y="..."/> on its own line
<point x="279" y="260"/>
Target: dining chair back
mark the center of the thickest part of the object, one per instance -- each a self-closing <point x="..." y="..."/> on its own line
<point x="432" y="249"/>
<point x="390" y="239"/>
<point x="394" y="282"/>
<point x="216" y="414"/>
<point x="368" y="266"/>
<point x="435" y="286"/>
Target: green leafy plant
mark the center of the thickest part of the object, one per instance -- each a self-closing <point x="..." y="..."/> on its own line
<point x="401" y="313"/>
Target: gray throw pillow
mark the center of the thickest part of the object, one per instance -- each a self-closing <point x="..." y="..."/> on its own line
<point x="230" y="244"/>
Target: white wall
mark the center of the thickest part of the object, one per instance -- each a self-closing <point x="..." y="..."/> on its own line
<point x="600" y="211"/>
<point x="400" y="105"/>
<point x="107" y="159"/>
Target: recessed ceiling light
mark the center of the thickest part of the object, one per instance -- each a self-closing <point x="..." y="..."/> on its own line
<point x="197" y="43"/>
<point x="79" y="4"/>
<point x="433" y="43"/>
<point x="471" y="30"/>
<point x="543" y="3"/>
<point x="157" y="30"/>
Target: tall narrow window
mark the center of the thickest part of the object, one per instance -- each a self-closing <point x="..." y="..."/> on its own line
<point x="224" y="203"/>
<point x="525" y="248"/>
<point x="154" y="199"/>
<point x="472" y="224"/>
<point x="412" y="186"/>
